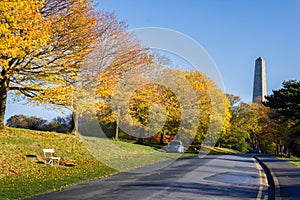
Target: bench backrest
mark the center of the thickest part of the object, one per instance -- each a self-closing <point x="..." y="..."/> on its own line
<point x="50" y="151"/>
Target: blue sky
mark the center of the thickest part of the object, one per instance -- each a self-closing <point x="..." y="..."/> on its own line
<point x="233" y="32"/>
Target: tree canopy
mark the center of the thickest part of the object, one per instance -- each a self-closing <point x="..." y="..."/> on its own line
<point x="42" y="44"/>
<point x="273" y="126"/>
<point x="58" y="52"/>
<point x="162" y="106"/>
<point x="285" y="104"/>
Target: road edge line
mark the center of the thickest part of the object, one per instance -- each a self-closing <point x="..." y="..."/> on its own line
<point x="274" y="183"/>
<point x="260" y="188"/>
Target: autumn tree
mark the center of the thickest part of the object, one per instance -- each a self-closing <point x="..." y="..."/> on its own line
<point x="163" y="100"/>
<point x="251" y="127"/>
<point x="241" y="123"/>
<point x="220" y="115"/>
<point x="42" y="44"/>
<point x="270" y="134"/>
<point x="158" y="105"/>
<point x="115" y="51"/>
<point x="156" y="109"/>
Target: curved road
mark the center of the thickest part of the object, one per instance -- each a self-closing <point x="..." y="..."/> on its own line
<point x="211" y="177"/>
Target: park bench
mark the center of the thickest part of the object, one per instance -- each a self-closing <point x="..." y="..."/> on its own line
<point x="49" y="158"/>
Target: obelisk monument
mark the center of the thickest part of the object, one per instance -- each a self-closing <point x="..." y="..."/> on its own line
<point x="260" y="83"/>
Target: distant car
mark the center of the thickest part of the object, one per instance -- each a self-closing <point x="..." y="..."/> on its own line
<point x="175" y="146"/>
<point x="257" y="150"/>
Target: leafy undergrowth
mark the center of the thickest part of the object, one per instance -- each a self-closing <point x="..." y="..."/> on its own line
<point x="293" y="160"/>
<point x="23" y="173"/>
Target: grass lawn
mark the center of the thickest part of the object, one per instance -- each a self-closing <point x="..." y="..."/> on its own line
<point x="213" y="150"/>
<point x="219" y="150"/>
<point x="293" y="160"/>
<point x="23" y="173"/>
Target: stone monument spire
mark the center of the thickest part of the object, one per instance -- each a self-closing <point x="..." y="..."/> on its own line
<point x="260" y="83"/>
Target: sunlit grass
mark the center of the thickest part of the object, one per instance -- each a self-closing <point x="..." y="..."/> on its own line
<point x="293" y="160"/>
<point x="220" y="150"/>
<point x="24" y="175"/>
<point x="124" y="156"/>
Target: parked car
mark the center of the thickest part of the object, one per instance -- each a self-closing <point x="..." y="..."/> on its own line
<point x="175" y="146"/>
<point x="257" y="150"/>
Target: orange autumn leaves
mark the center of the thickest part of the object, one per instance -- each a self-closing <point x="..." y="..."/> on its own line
<point x="42" y="45"/>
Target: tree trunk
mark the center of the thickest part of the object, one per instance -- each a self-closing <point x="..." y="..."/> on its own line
<point x="117" y="131"/>
<point x="3" y="98"/>
<point x="141" y="137"/>
<point x="162" y="137"/>
<point x="75" y="122"/>
<point x="277" y="149"/>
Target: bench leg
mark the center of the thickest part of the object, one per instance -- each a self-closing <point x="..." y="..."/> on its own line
<point x="51" y="161"/>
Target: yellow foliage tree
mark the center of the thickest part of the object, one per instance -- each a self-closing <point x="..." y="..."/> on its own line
<point x="42" y="45"/>
<point x="164" y="103"/>
<point x="115" y="52"/>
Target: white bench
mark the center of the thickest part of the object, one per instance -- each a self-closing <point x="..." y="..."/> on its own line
<point x="49" y="158"/>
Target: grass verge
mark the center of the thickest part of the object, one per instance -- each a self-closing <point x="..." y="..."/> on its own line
<point x="293" y="160"/>
<point x="219" y="150"/>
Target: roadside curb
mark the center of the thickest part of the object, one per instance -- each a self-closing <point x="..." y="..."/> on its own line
<point x="271" y="177"/>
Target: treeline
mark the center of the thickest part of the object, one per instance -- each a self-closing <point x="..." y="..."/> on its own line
<point x="285" y="113"/>
<point x="58" y="124"/>
<point x="85" y="67"/>
<point x="183" y="104"/>
<point x="273" y="126"/>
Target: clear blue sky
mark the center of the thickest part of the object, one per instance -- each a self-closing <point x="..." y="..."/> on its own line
<point x="234" y="33"/>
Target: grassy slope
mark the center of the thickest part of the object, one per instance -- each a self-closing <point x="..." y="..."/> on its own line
<point x="24" y="175"/>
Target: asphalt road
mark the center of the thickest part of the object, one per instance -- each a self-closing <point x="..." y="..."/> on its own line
<point x="212" y="177"/>
<point x="286" y="177"/>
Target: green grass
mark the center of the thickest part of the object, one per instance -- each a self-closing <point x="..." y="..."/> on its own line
<point x="210" y="150"/>
<point x="293" y="160"/>
<point x="24" y="175"/>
